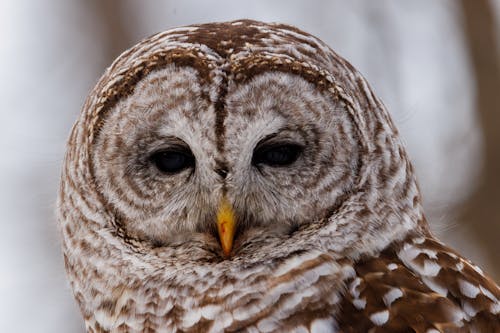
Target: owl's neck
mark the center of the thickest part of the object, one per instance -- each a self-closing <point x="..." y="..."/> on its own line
<point x="191" y="284"/>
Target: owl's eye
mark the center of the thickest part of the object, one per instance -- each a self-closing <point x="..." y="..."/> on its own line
<point x="174" y="160"/>
<point x="276" y="154"/>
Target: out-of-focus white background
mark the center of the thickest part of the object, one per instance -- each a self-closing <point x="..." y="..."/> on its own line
<point x="435" y="65"/>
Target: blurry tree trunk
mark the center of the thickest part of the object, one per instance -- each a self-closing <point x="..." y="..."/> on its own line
<point x="481" y="214"/>
<point x="116" y="34"/>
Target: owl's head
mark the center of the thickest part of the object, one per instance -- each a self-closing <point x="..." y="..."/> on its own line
<point x="239" y="131"/>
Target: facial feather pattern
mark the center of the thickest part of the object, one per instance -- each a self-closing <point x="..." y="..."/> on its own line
<point x="330" y="234"/>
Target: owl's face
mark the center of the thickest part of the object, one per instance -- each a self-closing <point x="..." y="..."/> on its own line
<point x="280" y="151"/>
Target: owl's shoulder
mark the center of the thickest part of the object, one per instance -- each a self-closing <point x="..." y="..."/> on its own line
<point x="420" y="285"/>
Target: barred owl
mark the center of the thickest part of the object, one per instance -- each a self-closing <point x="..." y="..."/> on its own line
<point x="241" y="176"/>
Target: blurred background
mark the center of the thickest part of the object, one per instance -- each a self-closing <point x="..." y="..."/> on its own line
<point x="435" y="64"/>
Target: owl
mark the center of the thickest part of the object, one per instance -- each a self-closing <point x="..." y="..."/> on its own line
<point x="243" y="177"/>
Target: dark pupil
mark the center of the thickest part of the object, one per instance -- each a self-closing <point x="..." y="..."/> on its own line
<point x="277" y="155"/>
<point x="172" y="161"/>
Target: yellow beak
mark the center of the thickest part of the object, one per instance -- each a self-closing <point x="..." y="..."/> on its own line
<point x="226" y="225"/>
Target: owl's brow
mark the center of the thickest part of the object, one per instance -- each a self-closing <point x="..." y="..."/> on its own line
<point x="266" y="126"/>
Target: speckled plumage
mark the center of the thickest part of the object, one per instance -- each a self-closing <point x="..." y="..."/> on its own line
<point x="335" y="242"/>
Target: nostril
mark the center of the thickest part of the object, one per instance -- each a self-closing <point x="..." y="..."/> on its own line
<point x="222" y="171"/>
